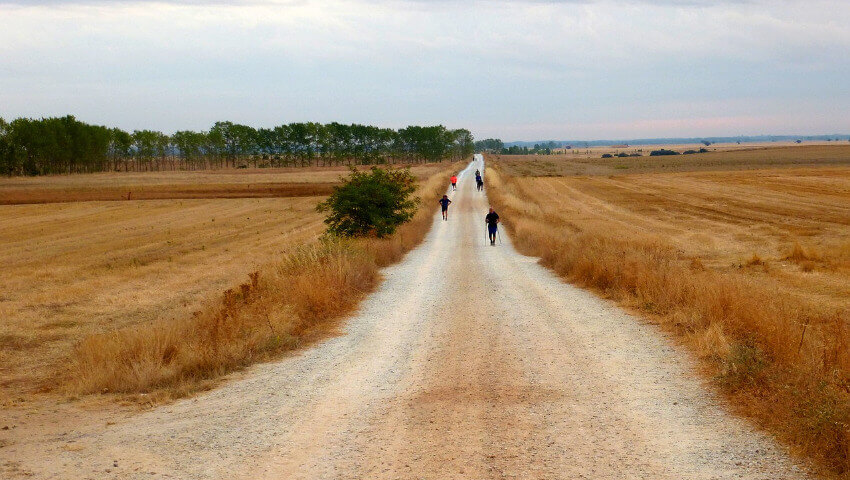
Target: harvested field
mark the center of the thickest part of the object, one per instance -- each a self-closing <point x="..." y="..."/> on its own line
<point x="80" y="268"/>
<point x="751" y="269"/>
<point x="73" y="269"/>
<point x="248" y="183"/>
<point x="722" y="159"/>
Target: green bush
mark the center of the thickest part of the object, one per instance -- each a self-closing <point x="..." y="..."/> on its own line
<point x="662" y="152"/>
<point x="371" y="203"/>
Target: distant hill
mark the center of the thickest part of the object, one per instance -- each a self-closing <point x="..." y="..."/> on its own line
<point x="684" y="140"/>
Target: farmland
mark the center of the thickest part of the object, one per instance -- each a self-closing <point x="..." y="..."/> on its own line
<point x="720" y="157"/>
<point x="745" y="262"/>
<point x="75" y="268"/>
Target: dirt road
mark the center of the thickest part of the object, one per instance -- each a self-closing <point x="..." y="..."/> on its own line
<point x="472" y="362"/>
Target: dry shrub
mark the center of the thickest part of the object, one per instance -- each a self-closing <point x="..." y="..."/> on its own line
<point x="697" y="265"/>
<point x="279" y="307"/>
<point x="829" y="257"/>
<point x="783" y="361"/>
<point x="755" y="261"/>
<point x="261" y="317"/>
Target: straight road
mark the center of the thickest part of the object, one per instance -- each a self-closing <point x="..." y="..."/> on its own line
<point x="471" y="361"/>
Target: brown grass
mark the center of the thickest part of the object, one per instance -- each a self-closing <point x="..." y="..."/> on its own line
<point x="72" y="270"/>
<point x="285" y="304"/>
<point x="22" y="196"/>
<point x="777" y="340"/>
<point x="250" y="183"/>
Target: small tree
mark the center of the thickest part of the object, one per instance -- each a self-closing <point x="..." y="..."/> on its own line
<point x="373" y="203"/>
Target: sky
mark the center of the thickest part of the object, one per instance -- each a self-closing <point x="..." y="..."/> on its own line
<point x="519" y="70"/>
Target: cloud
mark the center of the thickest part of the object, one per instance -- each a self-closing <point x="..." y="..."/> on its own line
<point x="500" y="68"/>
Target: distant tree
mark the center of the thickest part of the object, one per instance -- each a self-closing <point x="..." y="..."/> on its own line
<point x="489" y="145"/>
<point x="66" y="145"/>
<point x="373" y="203"/>
<point x="607" y="155"/>
<point x="464" y="144"/>
<point x="662" y="152"/>
<point x="706" y="143"/>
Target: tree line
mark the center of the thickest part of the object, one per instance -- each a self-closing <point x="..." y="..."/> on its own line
<point x="66" y="145"/>
<point x="495" y="145"/>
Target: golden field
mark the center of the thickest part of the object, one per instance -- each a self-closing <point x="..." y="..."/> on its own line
<point x="724" y="158"/>
<point x="79" y="272"/>
<point x="750" y="268"/>
<point x="228" y="183"/>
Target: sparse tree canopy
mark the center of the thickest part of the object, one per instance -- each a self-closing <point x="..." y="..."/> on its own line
<point x="371" y="203"/>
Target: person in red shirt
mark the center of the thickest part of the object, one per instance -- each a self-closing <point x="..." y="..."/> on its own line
<point x="454" y="182"/>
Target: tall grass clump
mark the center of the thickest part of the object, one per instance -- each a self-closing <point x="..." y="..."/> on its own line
<point x="279" y="308"/>
<point x="782" y="360"/>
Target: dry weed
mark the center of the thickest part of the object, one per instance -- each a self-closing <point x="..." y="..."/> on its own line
<point x="783" y="359"/>
<point x="281" y="306"/>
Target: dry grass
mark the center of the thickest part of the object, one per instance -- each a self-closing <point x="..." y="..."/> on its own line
<point x="285" y="304"/>
<point x="250" y="183"/>
<point x="725" y="157"/>
<point x="23" y="196"/>
<point x="73" y="270"/>
<point x="680" y="249"/>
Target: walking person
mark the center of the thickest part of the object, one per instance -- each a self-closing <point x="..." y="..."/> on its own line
<point x="444" y="203"/>
<point x="492" y="221"/>
<point x="479" y="182"/>
<point x="454" y="182"/>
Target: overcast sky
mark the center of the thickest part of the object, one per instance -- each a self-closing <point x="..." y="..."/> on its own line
<point x="521" y="70"/>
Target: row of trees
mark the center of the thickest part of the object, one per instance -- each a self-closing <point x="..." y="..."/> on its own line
<point x="66" y="145"/>
<point x="494" y="145"/>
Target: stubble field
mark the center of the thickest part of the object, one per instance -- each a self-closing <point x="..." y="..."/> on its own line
<point x="74" y="269"/>
<point x="748" y="265"/>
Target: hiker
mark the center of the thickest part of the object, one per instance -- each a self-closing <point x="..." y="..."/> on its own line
<point x="492" y="221"/>
<point x="444" y="203"/>
<point x="454" y="182"/>
<point x="479" y="182"/>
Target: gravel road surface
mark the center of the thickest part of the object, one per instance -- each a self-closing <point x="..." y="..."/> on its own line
<point x="471" y="361"/>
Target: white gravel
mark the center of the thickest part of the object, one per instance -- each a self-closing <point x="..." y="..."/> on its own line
<point x="471" y="361"/>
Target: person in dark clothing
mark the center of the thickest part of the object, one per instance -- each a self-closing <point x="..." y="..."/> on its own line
<point x="479" y="182"/>
<point x="444" y="203"/>
<point x="492" y="221"/>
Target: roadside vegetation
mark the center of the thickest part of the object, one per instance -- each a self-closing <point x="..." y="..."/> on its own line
<point x="748" y="268"/>
<point x="281" y="306"/>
